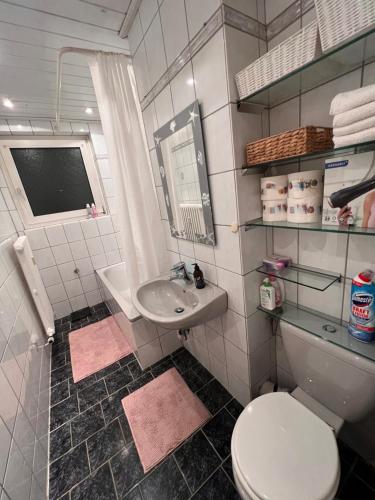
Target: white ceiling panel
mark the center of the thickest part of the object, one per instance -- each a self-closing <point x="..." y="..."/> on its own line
<point x="31" y="34"/>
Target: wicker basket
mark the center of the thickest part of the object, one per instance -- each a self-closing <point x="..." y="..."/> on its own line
<point x="289" y="144"/>
<point x="340" y="20"/>
<point x="296" y="51"/>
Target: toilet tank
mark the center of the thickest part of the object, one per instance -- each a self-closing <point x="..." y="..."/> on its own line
<point x="339" y="379"/>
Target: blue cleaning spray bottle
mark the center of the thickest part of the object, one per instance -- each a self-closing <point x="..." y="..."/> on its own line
<point x="362" y="307"/>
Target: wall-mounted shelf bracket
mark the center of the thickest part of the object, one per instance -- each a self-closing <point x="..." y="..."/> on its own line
<point x="246" y="107"/>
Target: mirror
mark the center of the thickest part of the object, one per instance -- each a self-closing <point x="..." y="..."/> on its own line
<point x="183" y="171"/>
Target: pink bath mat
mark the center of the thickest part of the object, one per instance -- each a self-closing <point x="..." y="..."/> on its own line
<point x="161" y="415"/>
<point x="96" y="346"/>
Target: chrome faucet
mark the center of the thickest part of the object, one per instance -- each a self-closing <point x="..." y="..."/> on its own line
<point x="179" y="272"/>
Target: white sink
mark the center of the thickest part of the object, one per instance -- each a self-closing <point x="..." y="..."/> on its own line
<point x="177" y="304"/>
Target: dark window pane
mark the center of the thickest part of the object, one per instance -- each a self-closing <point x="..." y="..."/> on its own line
<point x="55" y="179"/>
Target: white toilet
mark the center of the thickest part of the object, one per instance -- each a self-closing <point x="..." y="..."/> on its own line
<point x="284" y="446"/>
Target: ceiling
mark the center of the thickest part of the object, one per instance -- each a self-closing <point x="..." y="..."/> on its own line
<point x="32" y="32"/>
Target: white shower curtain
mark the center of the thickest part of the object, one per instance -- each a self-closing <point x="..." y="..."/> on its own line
<point x="138" y="212"/>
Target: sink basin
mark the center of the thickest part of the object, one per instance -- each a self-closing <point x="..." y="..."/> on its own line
<point x="177" y="304"/>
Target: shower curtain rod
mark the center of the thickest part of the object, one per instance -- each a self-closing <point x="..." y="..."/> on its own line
<point x="63" y="51"/>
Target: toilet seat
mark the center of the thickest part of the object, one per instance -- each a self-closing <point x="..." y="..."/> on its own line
<point x="283" y="451"/>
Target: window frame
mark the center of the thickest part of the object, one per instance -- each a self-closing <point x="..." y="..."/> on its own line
<point x="17" y="189"/>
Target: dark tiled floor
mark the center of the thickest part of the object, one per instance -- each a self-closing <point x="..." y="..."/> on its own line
<point x="92" y="452"/>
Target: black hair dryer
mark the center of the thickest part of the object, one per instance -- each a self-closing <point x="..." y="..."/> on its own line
<point x="341" y="198"/>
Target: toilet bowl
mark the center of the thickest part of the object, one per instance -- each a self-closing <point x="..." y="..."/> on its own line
<point x="283" y="451"/>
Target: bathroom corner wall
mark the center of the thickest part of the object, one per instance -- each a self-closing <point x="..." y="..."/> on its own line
<point x="187" y="50"/>
<point x="59" y="249"/>
<point x="24" y="375"/>
<point x="334" y="252"/>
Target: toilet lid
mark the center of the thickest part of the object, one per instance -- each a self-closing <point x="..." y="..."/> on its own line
<point x="283" y="451"/>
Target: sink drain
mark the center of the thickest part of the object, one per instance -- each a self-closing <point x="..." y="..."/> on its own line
<point x="179" y="310"/>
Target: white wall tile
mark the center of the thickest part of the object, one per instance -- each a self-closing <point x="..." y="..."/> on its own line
<point x="218" y="369"/>
<point x="285" y="116"/>
<point x="62" y="309"/>
<point x="215" y="344"/>
<point x="174" y="25"/>
<point x="198" y="13"/>
<point x="99" y="261"/>
<point x="210" y="75"/>
<point x="204" y="253"/>
<point x="323" y="250"/>
<point x="78" y="302"/>
<point x="252" y="283"/>
<point x="186" y="247"/>
<point x="109" y="242"/>
<point x="89" y="228"/>
<point x="156" y="59"/>
<point x="259" y="330"/>
<point x="170" y="342"/>
<point x="150" y="123"/>
<point x="73" y="288"/>
<point x="260" y="363"/>
<point x="95" y="246"/>
<point x="56" y="293"/>
<point x="234" y="327"/>
<point x="273" y="9"/>
<point x="238" y="389"/>
<point x="62" y="253"/>
<point x="84" y="266"/>
<point x="73" y="231"/>
<point x="44" y="258"/>
<point x="67" y="271"/>
<point x="56" y="235"/>
<point x="222" y="188"/>
<point x="50" y="276"/>
<point x="150" y="353"/>
<point x="253" y="248"/>
<point x="135" y="34"/>
<point x="93" y="298"/>
<point x="248" y="193"/>
<point x="155" y="167"/>
<point x="237" y="362"/>
<point x="79" y="249"/>
<point x="319" y="115"/>
<point x="233" y="284"/>
<point x="218" y="143"/>
<point x="182" y="89"/>
<point x="89" y="283"/>
<point x="37" y="238"/>
<point x="360" y="255"/>
<point x="105" y="225"/>
<point x="113" y="257"/>
<point x="227" y="249"/>
<point x="141" y="71"/>
<point x="164" y="107"/>
<point x="147" y="11"/>
<point x="241" y="50"/>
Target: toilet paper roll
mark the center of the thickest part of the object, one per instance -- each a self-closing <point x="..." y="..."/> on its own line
<point x="274" y="210"/>
<point x="305" y="210"/>
<point x="305" y="184"/>
<point x="274" y="188"/>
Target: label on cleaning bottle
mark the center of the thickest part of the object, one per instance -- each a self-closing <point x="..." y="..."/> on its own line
<point x="362" y="310"/>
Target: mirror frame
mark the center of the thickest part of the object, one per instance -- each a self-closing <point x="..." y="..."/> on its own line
<point x="192" y="115"/>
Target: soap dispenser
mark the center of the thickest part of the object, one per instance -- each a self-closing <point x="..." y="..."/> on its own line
<point x="198" y="277"/>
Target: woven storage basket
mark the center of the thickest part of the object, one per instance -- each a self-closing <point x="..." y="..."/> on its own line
<point x="342" y="19"/>
<point x="296" y="51"/>
<point x="289" y="144"/>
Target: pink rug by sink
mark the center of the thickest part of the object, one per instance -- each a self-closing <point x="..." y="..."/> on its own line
<point x="96" y="346"/>
<point x="161" y="415"/>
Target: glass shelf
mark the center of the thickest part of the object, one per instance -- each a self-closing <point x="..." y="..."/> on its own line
<point x="314" y="322"/>
<point x="328" y="66"/>
<point x="316" y="226"/>
<point x="305" y="276"/>
<point x="354" y="148"/>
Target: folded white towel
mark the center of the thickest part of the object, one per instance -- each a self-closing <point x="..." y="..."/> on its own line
<point x="354" y="115"/>
<point x="355" y="127"/>
<point x="352" y="99"/>
<point x="347" y="140"/>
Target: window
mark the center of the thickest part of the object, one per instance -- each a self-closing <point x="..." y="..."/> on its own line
<point x="51" y="179"/>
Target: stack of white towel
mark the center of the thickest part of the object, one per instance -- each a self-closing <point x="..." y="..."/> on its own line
<point x="354" y="116"/>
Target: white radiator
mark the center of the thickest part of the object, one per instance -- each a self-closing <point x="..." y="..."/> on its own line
<point x="35" y="283"/>
<point x="192" y="220"/>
